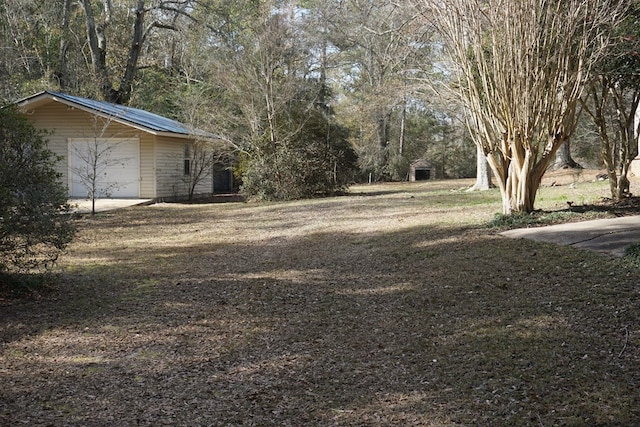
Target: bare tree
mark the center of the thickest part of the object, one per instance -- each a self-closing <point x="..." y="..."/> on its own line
<point x="147" y="17"/>
<point x="612" y="105"/>
<point x="380" y="47"/>
<point x="612" y="102"/>
<point x="26" y="29"/>
<point x="97" y="154"/>
<point x="256" y="70"/>
<point x="522" y="68"/>
<point x="200" y="160"/>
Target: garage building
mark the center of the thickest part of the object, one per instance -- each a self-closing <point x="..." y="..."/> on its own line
<point x="140" y="154"/>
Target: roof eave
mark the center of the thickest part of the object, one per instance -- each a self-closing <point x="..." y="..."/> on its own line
<point x="45" y="97"/>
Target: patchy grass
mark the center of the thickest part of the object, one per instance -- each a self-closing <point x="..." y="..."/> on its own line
<point x="395" y="305"/>
<point x="632" y="255"/>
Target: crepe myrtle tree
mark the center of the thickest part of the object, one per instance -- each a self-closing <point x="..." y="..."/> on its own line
<point x="522" y="67"/>
<point x="613" y="100"/>
<point x="35" y="225"/>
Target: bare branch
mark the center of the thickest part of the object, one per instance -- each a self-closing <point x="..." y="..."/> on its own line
<point x="521" y="68"/>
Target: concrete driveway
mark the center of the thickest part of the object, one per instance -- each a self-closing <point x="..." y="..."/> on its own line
<point x="610" y="236"/>
<point x="103" y="205"/>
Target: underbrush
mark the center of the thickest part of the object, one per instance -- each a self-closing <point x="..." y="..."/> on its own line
<point x="542" y="218"/>
<point x="25" y="286"/>
<point x="632" y="255"/>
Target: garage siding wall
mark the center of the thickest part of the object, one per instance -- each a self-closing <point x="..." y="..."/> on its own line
<point x="63" y="123"/>
<point x="147" y="166"/>
<point x="60" y="124"/>
<point x="171" y="181"/>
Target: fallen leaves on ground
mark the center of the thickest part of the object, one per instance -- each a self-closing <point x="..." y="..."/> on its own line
<point x="382" y="308"/>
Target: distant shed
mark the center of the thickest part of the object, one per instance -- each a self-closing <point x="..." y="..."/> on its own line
<point x="421" y="170"/>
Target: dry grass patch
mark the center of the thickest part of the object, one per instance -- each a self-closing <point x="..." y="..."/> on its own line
<point x="395" y="305"/>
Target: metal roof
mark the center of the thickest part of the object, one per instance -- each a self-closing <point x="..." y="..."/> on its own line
<point x="151" y="122"/>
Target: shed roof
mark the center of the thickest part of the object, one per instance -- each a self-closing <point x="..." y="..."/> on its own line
<point x="141" y="119"/>
<point x="421" y="163"/>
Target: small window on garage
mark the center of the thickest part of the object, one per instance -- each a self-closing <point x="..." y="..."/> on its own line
<point x="187" y="160"/>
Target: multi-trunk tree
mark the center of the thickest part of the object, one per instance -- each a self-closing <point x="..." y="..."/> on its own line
<point x="522" y="68"/>
<point x="613" y="99"/>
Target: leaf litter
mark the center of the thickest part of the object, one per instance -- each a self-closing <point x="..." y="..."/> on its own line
<point x="394" y="305"/>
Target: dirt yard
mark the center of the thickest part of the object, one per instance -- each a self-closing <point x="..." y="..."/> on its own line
<point x="394" y="306"/>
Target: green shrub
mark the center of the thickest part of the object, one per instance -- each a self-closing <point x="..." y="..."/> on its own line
<point x="540" y="218"/>
<point x="35" y="225"/>
<point x="632" y="255"/>
<point x="514" y="220"/>
<point x="317" y="161"/>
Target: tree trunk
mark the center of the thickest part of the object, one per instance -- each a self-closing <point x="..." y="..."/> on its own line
<point x="62" y="72"/>
<point x="97" y="41"/>
<point x="403" y="126"/>
<point x="483" y="172"/>
<point x="382" y="130"/>
<point x="519" y="175"/>
<point x="123" y="94"/>
<point x="519" y="190"/>
<point x="98" y="46"/>
<point x="564" y="159"/>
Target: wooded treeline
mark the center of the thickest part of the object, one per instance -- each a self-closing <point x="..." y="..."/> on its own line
<point x="296" y="88"/>
<point x="307" y="95"/>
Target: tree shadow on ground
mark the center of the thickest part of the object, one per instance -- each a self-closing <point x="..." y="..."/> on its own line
<point x="425" y="326"/>
<point x="625" y="207"/>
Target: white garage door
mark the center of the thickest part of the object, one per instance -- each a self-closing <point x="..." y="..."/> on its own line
<point x="111" y="165"/>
